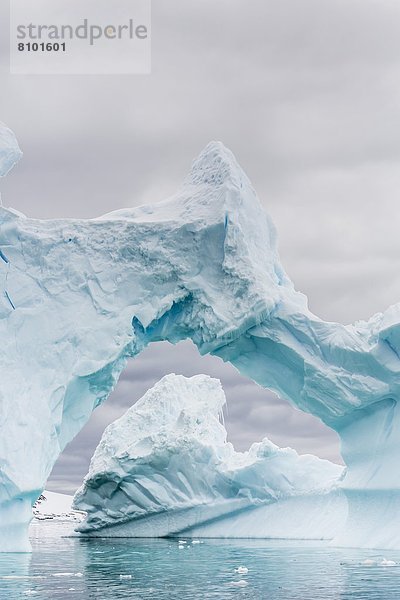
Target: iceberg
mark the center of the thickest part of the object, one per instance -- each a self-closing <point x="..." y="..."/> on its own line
<point x="165" y="468"/>
<point x="80" y="297"/>
<point x="10" y="152"/>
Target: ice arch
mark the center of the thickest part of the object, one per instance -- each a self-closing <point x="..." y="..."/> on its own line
<point x="80" y="297"/>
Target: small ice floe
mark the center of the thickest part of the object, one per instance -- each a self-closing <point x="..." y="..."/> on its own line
<point x="196" y="542"/>
<point x="181" y="547"/>
<point x="182" y="542"/>
<point x="387" y="563"/>
<point x="78" y="574"/>
<point x="63" y="574"/>
<point x="242" y="570"/>
<point x="240" y="583"/>
<point x="30" y="593"/>
<point x="125" y="576"/>
<point x="369" y="562"/>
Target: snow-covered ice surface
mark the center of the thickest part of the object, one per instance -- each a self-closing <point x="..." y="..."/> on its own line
<point x="81" y="296"/>
<point x="54" y="506"/>
<point x="165" y="468"/>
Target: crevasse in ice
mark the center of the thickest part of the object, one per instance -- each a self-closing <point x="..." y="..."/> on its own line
<point x="79" y="297"/>
<point x="165" y="468"/>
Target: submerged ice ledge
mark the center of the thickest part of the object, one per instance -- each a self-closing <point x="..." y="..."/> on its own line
<point x="81" y="296"/>
<point x="165" y="468"/>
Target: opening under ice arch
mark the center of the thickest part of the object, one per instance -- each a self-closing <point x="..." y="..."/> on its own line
<point x="165" y="468"/>
<point x="80" y="297"/>
<point x="250" y="414"/>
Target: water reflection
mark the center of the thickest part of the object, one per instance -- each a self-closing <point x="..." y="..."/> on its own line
<point x="14" y="575"/>
<point x="107" y="569"/>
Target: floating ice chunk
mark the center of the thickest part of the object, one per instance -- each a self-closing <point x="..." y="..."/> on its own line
<point x="125" y="576"/>
<point x="240" y="583"/>
<point x="369" y="562"/>
<point x="242" y="570"/>
<point x="387" y="563"/>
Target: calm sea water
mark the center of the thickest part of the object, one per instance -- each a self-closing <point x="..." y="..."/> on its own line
<point x="62" y="567"/>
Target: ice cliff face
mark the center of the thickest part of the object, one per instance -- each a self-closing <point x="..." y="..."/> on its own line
<point x="80" y="297"/>
<point x="166" y="468"/>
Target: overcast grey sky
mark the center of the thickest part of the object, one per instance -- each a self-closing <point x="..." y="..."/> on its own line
<point x="305" y="93"/>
